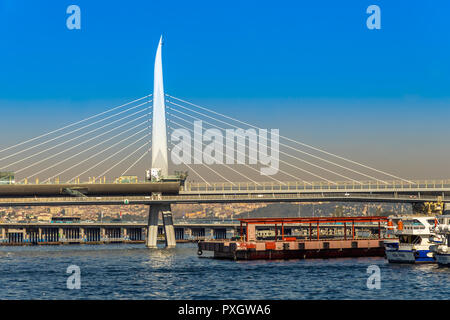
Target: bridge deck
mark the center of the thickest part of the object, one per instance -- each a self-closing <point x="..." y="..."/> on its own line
<point x="394" y="191"/>
<point x="224" y="198"/>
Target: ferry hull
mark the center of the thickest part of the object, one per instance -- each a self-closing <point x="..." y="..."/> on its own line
<point x="269" y="250"/>
<point x="407" y="256"/>
<point x="304" y="254"/>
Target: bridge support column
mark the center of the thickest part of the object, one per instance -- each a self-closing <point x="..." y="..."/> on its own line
<point x="169" y="230"/>
<point x="152" y="227"/>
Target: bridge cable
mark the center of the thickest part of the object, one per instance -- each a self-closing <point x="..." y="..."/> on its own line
<point x="213" y="169"/>
<point x="75" y="123"/>
<point x="67" y="141"/>
<point x="300" y="143"/>
<point x="198" y="174"/>
<point x="92" y="156"/>
<point x="287" y="163"/>
<point x="67" y="133"/>
<point x="129" y="155"/>
<point x="134" y="163"/>
<point x="79" y="144"/>
<point x="239" y="173"/>
<point x="218" y="120"/>
<point x="90" y="148"/>
<point x="312" y="164"/>
<point x="114" y="154"/>
<point x="286" y="173"/>
<point x="282" y="151"/>
<point x="240" y="153"/>
<point x="250" y="167"/>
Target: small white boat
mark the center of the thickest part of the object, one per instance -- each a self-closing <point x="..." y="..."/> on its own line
<point x="441" y="249"/>
<point x="415" y="235"/>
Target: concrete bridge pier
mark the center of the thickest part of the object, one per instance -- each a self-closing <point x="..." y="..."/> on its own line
<point x="152" y="226"/>
<point x="169" y="230"/>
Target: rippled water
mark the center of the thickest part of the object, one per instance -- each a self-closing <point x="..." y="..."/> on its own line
<point x="134" y="272"/>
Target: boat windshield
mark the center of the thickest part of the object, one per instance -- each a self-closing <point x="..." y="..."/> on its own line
<point x="416" y="224"/>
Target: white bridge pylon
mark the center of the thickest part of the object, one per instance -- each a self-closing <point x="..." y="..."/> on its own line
<point x="159" y="133"/>
<point x="160" y="160"/>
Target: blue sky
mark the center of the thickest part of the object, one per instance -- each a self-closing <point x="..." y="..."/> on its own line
<point x="310" y="68"/>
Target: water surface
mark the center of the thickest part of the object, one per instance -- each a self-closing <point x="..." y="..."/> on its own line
<point x="126" y="271"/>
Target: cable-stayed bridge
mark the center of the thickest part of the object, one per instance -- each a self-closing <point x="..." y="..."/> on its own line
<point x="102" y="159"/>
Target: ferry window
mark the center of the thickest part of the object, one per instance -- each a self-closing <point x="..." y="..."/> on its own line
<point x="413" y="223"/>
<point x="417" y="224"/>
<point x="410" y="239"/>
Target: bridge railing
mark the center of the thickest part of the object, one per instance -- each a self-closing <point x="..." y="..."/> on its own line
<point x="292" y="185"/>
<point x="287" y="196"/>
<point x="314" y="186"/>
<point x="91" y="180"/>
